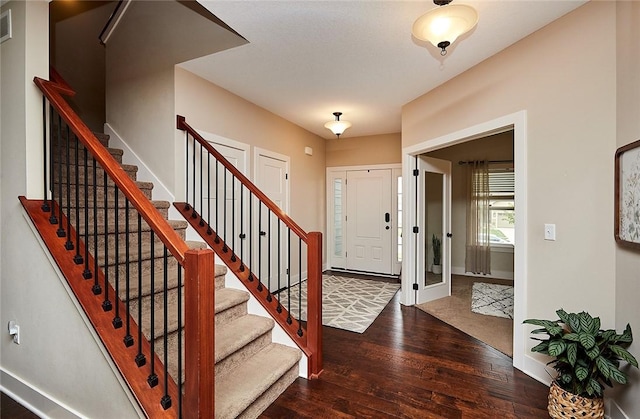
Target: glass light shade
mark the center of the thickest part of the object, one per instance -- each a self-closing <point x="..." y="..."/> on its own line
<point x="337" y="127"/>
<point x="445" y="23"/>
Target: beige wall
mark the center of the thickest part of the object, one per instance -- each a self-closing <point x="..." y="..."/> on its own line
<point x="151" y="38"/>
<point x="495" y="147"/>
<point x="564" y="77"/>
<point x="368" y="150"/>
<point x="80" y="59"/>
<point x="58" y="370"/>
<point x="212" y="109"/>
<point x="628" y="125"/>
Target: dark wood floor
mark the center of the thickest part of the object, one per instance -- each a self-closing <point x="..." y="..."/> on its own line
<point x="11" y="409"/>
<point x="409" y="364"/>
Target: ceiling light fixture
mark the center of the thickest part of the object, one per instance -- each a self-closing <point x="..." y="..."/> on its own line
<point x="444" y="24"/>
<point x="337" y="126"/>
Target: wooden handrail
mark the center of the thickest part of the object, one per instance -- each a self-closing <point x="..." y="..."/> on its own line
<point x="311" y="342"/>
<point x="151" y="215"/>
<point x="184" y="126"/>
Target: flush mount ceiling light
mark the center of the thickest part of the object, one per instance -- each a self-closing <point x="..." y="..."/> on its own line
<point x="444" y="24"/>
<point x="337" y="126"/>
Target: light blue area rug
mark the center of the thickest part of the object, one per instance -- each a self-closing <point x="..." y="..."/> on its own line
<point x="347" y="303"/>
<point x="492" y="300"/>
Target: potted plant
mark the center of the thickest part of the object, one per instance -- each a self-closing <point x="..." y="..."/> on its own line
<point x="586" y="358"/>
<point x="436" y="268"/>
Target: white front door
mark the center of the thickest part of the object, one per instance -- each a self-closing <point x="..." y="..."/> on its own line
<point x="432" y="274"/>
<point x="271" y="177"/>
<point x="368" y="221"/>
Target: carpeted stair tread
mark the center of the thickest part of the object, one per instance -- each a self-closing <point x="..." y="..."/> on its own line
<point x="110" y="228"/>
<point x="234" y="335"/>
<point x="240" y="387"/>
<point x="227" y="298"/>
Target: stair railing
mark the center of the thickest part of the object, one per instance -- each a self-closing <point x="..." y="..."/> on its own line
<point x="104" y="264"/>
<point x="277" y="261"/>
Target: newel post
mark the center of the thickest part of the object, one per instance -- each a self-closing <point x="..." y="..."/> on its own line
<point x="199" y="307"/>
<point x="314" y="302"/>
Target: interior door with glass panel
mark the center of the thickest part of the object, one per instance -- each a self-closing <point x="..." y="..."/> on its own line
<point x="433" y="271"/>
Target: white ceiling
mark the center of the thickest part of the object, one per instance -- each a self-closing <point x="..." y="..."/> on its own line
<point x="306" y="59"/>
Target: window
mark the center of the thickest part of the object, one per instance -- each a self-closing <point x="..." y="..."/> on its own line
<point x="501" y="205"/>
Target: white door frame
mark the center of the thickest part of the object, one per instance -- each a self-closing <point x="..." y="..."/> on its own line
<point x="518" y="123"/>
<point x="395" y="168"/>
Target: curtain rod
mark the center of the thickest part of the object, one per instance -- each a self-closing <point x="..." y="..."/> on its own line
<point x="490" y="161"/>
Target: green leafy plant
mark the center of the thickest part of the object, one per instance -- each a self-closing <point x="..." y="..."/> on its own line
<point x="586" y="357"/>
<point x="435" y="242"/>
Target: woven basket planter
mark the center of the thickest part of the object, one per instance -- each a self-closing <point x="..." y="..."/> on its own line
<point x="566" y="405"/>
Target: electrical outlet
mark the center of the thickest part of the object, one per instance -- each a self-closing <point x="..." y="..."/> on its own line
<point x="549" y="231"/>
<point x="14" y="330"/>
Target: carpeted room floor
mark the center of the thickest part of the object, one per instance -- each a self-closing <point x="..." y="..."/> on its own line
<point x="456" y="311"/>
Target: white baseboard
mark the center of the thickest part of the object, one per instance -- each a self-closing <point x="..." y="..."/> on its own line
<point x="38" y="402"/>
<point x="613" y="411"/>
<point x="458" y="270"/>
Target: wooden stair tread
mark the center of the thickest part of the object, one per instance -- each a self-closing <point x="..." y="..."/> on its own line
<point x="240" y="387"/>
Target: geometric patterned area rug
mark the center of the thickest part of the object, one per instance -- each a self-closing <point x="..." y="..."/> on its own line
<point x="492" y="300"/>
<point x="347" y="303"/>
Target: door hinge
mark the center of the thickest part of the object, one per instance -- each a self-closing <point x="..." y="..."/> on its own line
<point x="415" y="230"/>
<point x="416" y="172"/>
<point x="286" y="176"/>
<point x="415" y="287"/>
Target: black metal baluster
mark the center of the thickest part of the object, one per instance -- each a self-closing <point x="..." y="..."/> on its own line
<point x="279" y="308"/>
<point x="52" y="218"/>
<point x="179" y="377"/>
<point x="45" y="204"/>
<point x="153" y="377"/>
<point x="269" y="245"/>
<point x="77" y="259"/>
<point x="68" y="244"/>
<point x="233" y="218"/>
<point x="140" y="358"/>
<point x="224" y="212"/>
<point x="201" y="186"/>
<point x="209" y="231"/>
<point x="260" y="234"/>
<point x="86" y="274"/>
<point x="128" y="339"/>
<point x="217" y="186"/>
<point x="242" y="235"/>
<point x="186" y="177"/>
<point x="106" y="304"/>
<point x="194" y="214"/>
<point x="117" y="320"/>
<point x="166" y="399"/>
<point x="289" y="320"/>
<point x="97" y="289"/>
<point x="60" y="232"/>
<point x="300" y="286"/>
<point x="251" y="256"/>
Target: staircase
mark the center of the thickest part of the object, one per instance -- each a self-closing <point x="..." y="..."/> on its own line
<point x="250" y="370"/>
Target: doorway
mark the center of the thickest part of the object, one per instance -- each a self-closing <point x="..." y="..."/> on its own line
<point x="363" y="219"/>
<point x="272" y="177"/>
<point x="517" y="123"/>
